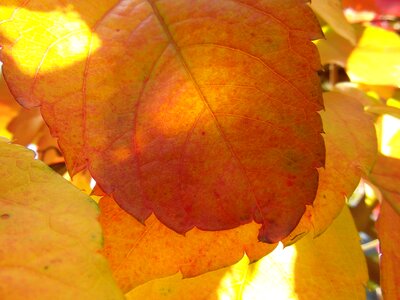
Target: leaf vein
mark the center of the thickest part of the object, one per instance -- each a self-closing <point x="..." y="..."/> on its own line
<point x="204" y="100"/>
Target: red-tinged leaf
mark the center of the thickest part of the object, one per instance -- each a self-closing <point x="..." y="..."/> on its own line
<point x="386" y="176"/>
<point x="49" y="234"/>
<point x="388" y="227"/>
<point x="134" y="250"/>
<point x="351" y="151"/>
<point x="203" y="112"/>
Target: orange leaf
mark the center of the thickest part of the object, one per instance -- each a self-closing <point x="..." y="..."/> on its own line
<point x="140" y="253"/>
<point x="386" y="176"/>
<point x="388" y="227"/>
<point x="134" y="249"/>
<point x="8" y="107"/>
<point x="49" y="234"/>
<point x="26" y="126"/>
<point x="204" y="112"/>
<point x="331" y="266"/>
<point x="47" y="148"/>
<point x="351" y="150"/>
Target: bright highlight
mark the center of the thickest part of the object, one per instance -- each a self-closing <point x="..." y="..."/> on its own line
<point x="61" y="38"/>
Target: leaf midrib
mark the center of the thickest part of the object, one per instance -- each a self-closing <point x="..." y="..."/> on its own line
<point x="203" y="98"/>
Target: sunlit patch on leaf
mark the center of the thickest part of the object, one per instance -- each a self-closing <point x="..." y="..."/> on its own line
<point x="376" y="59"/>
<point x="199" y="112"/>
<point x="331" y="266"/>
<point x="56" y="39"/>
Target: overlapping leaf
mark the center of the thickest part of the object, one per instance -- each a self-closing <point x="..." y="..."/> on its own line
<point x="331" y="266"/>
<point x="376" y="59"/>
<point x="334" y="49"/>
<point x="8" y="107"/>
<point x="351" y="151"/>
<point x="203" y="112"/>
<point x="49" y="234"/>
<point x="133" y="249"/>
<point x="332" y="12"/>
<point x="386" y="176"/>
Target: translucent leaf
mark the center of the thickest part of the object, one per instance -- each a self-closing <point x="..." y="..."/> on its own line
<point x="49" y="234"/>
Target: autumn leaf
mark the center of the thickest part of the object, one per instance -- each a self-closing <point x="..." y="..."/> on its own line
<point x="384" y="110"/>
<point x="332" y="12"/>
<point x="133" y="249"/>
<point x="204" y="113"/>
<point x="25" y="126"/>
<point x="334" y="49"/>
<point x="331" y="266"/>
<point x="359" y="92"/>
<point x="394" y="145"/>
<point x="82" y="181"/>
<point x="47" y="148"/>
<point x="389" y="126"/>
<point x="351" y="151"/>
<point x="386" y="176"/>
<point x="8" y="107"/>
<point x="376" y="59"/>
<point x="388" y="226"/>
<point x="49" y="234"/>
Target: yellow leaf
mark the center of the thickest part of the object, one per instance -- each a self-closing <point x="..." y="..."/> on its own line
<point x="390" y="129"/>
<point x="49" y="234"/>
<point x="394" y="145"/>
<point x="376" y="59"/>
<point x="332" y="12"/>
<point x="334" y="49"/>
<point x="331" y="266"/>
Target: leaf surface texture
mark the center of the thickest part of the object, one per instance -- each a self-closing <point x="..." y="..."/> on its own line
<point x="331" y="266"/>
<point x="49" y="234"/>
<point x="203" y="113"/>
